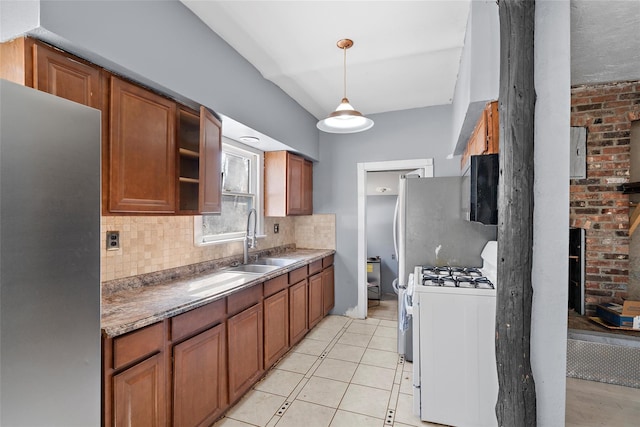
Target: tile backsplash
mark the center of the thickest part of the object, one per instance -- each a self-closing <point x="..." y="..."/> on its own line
<point x="153" y="243"/>
<point x="316" y="231"/>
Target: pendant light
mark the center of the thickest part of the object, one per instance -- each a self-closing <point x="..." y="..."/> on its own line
<point x="345" y="119"/>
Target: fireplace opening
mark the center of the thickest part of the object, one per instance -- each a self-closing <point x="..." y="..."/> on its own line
<point x="576" y="270"/>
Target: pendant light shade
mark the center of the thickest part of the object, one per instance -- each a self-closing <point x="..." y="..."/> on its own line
<point x="345" y="119"/>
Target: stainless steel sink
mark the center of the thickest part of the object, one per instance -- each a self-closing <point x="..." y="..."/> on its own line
<point x="254" y="268"/>
<point x="221" y="281"/>
<point x="280" y="262"/>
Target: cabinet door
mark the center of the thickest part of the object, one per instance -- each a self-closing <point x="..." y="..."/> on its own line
<point x="142" y="151"/>
<point x="276" y="327"/>
<point x="139" y="395"/>
<point x="298" y="308"/>
<point x="316" y="310"/>
<point x="63" y="76"/>
<point x="307" y="188"/>
<point x="295" y="187"/>
<point x="210" y="155"/>
<point x="245" y="350"/>
<point x="199" y="373"/>
<point x="328" y="291"/>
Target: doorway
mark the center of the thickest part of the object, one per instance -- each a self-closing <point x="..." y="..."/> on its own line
<point x="364" y="171"/>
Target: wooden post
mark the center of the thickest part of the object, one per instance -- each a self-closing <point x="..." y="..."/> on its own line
<point x="516" y="404"/>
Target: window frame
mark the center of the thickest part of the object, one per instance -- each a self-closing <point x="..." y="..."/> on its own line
<point x="256" y="186"/>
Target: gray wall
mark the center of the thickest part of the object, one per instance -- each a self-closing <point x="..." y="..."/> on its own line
<point x="164" y="45"/>
<point x="409" y="134"/>
<point x="551" y="213"/>
<point x="380" y="210"/>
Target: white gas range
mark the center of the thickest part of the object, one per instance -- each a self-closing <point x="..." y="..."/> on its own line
<point x="454" y="369"/>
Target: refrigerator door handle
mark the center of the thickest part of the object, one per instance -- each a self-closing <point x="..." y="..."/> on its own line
<point x="400" y="233"/>
<point x="395" y="228"/>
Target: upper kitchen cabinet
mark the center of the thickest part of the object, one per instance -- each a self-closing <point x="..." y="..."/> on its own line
<point x="485" y="137"/>
<point x="34" y="64"/>
<point x="199" y="152"/>
<point x="288" y="183"/>
<point x="67" y="77"/>
<point x="157" y="157"/>
<point x="142" y="150"/>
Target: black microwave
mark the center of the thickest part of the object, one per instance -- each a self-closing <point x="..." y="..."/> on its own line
<point x="484" y="173"/>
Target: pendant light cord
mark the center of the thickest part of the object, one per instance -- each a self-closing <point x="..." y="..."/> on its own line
<point x="345" y="71"/>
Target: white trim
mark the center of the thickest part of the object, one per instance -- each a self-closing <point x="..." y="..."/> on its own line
<point x="363" y="168"/>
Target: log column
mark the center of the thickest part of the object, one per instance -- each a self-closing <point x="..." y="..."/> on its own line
<point x="516" y="405"/>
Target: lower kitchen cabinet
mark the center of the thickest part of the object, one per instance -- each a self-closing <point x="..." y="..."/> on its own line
<point x="245" y="350"/>
<point x="298" y="311"/>
<point x="187" y="370"/>
<point x="199" y="378"/>
<point x="328" y="291"/>
<point x="139" y="394"/>
<point x="316" y="309"/>
<point x="276" y="327"/>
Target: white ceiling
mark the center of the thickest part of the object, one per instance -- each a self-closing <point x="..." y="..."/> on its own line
<point x="406" y="54"/>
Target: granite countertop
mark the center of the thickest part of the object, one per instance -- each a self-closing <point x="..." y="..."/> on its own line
<point x="132" y="307"/>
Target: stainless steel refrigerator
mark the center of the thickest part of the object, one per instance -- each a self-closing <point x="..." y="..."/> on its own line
<point x="49" y="260"/>
<point x="432" y="230"/>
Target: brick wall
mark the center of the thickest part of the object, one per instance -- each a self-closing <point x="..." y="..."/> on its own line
<point x="597" y="205"/>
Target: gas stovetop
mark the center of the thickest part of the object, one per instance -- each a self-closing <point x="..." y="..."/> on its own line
<point x="455" y="277"/>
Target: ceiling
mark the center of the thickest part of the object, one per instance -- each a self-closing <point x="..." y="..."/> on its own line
<point x="406" y="54"/>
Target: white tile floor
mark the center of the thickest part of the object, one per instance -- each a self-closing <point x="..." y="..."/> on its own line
<point x="346" y="373"/>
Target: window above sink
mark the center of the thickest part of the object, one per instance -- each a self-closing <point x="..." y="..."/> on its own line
<point x="242" y="190"/>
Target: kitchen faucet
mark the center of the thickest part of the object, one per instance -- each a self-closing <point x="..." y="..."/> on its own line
<point x="250" y="241"/>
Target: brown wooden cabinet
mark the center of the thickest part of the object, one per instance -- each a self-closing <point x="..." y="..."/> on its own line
<point x="199" y="378"/>
<point x="245" y="350"/>
<point x="210" y="157"/>
<point x="307" y="188"/>
<point x="298" y="311"/>
<point x="485" y="136"/>
<point x="316" y="309"/>
<point x="62" y="75"/>
<point x="139" y="394"/>
<point x="288" y="184"/>
<point x="34" y="64"/>
<point x="188" y="369"/>
<point x="276" y="327"/>
<point x="143" y="169"/>
<point x="328" y="291"/>
<point x="135" y="378"/>
<point x="199" y="150"/>
<point x="142" y="150"/>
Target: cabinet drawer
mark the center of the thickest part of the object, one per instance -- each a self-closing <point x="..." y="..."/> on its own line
<point x="195" y="320"/>
<point x="327" y="261"/>
<point x="315" y="267"/>
<point x="298" y="274"/>
<point x="137" y="344"/>
<point x="243" y="299"/>
<point x="275" y="285"/>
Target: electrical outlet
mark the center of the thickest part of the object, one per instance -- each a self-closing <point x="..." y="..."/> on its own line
<point x="113" y="240"/>
<point x="393" y="256"/>
<point x="276" y="228"/>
